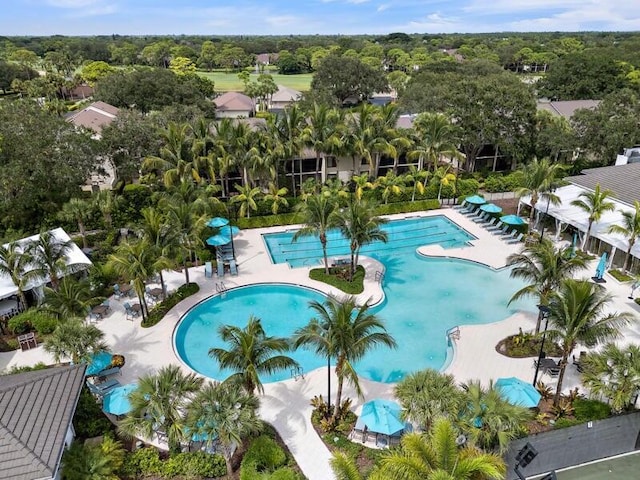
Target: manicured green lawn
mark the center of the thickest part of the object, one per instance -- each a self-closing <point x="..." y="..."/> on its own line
<point x="229" y="81"/>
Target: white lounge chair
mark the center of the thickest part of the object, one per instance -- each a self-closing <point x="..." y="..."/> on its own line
<point x="482" y="218"/>
<point x="496" y="227"/>
<point x="516" y="239"/>
<point x="489" y="223"/>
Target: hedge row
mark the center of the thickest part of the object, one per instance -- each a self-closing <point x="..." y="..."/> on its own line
<point x="146" y="462"/>
<point x="160" y="310"/>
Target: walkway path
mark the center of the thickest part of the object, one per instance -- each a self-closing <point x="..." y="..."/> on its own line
<point x="286" y="404"/>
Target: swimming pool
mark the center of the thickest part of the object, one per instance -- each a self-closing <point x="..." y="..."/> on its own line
<point x="424" y="297"/>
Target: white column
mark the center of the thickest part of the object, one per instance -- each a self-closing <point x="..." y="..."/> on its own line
<point x="613" y="252"/>
<point x="559" y="226"/>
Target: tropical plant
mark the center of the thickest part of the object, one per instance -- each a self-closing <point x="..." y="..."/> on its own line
<point x="443" y="177"/>
<point x="416" y="179"/>
<point x="246" y="197"/>
<point x="14" y="261"/>
<point x="252" y="353"/>
<point x="543" y="267"/>
<point x="49" y="256"/>
<point x="106" y="203"/>
<point x="74" y="298"/>
<point x="613" y="373"/>
<point x="438" y="139"/>
<point x="427" y="395"/>
<point x="158" y="404"/>
<point x="595" y="204"/>
<point x="539" y="179"/>
<point x="630" y="229"/>
<point x="76" y="341"/>
<point x="159" y="235"/>
<point x="344" y="467"/>
<point x="391" y="185"/>
<point x="361" y="183"/>
<point x="77" y="210"/>
<point x="319" y="134"/>
<point x="318" y="217"/>
<point x="276" y="196"/>
<point x="488" y="419"/>
<point x="577" y="314"/>
<point x="226" y="413"/>
<point x="93" y="462"/>
<point x="134" y="261"/>
<point x="186" y="223"/>
<point x="437" y="456"/>
<point x="344" y="331"/>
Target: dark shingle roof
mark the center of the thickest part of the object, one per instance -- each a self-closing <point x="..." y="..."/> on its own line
<point x="622" y="180"/>
<point x="36" y="409"/>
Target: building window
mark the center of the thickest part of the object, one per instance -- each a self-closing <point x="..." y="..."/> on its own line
<point x="331" y="162"/>
<point x="364" y="161"/>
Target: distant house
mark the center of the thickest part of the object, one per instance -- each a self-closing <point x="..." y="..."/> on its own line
<point x="266" y="58"/>
<point x="284" y="97"/>
<point x="234" y="105"/>
<point x="36" y="413"/>
<point x="566" y="108"/>
<point x="79" y="92"/>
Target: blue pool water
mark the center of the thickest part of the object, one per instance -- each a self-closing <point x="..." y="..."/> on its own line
<point x="424" y="298"/>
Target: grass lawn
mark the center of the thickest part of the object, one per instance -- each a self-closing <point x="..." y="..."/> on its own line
<point x="229" y="81"/>
<point x="620" y="468"/>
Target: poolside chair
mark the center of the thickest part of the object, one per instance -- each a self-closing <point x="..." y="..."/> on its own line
<point x="471" y="212"/>
<point x="462" y="206"/>
<point x="509" y="235"/>
<point x="116" y="291"/>
<point x="208" y="270"/>
<point x="233" y="267"/>
<point x="489" y="223"/>
<point x="517" y="239"/>
<point x="220" y="268"/>
<point x="482" y="218"/>
<point x="505" y="227"/>
<point x="497" y="226"/>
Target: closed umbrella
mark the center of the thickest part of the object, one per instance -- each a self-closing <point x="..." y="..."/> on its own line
<point x="99" y="362"/>
<point x="217" y="240"/>
<point x="475" y="199"/>
<point x="116" y="402"/>
<point x="518" y="392"/>
<point x="217" y="222"/>
<point x="602" y="266"/>
<point x="512" y="220"/>
<point x="491" y="208"/>
<point x="382" y="416"/>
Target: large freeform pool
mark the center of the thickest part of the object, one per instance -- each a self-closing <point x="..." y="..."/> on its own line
<point x="424" y="297"/>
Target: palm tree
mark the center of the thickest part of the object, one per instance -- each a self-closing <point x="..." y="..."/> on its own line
<point x="543" y="267"/>
<point x="359" y="224"/>
<point x="74" y="298"/>
<point x="344" y="467"/>
<point x="318" y="216"/>
<point x="595" y="204"/>
<point x="77" y="210"/>
<point x="252" y="353"/>
<point x="224" y="412"/>
<point x="577" y="315"/>
<point x="93" y="462"/>
<point x="187" y="225"/>
<point x="437" y="456"/>
<point x="365" y="140"/>
<point x="76" y="341"/>
<point x="428" y="394"/>
<point x="277" y="197"/>
<point x="391" y="185"/>
<point x="318" y="134"/>
<point x="613" y="373"/>
<point x="105" y="202"/>
<point x="134" y="262"/>
<point x="438" y="139"/>
<point x="417" y="179"/>
<point x="49" y="255"/>
<point x="491" y="421"/>
<point x="361" y="183"/>
<point x="444" y="178"/>
<point x="14" y="261"/>
<point x="339" y="333"/>
<point x="159" y="403"/>
<point x="539" y="179"/>
<point x="247" y="199"/>
<point x="161" y="238"/>
<point x="630" y="229"/>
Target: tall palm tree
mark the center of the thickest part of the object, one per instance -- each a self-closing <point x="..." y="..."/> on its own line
<point x="543" y="267"/>
<point x="72" y="299"/>
<point x="438" y="139"/>
<point x="159" y="404"/>
<point x="277" y="197"/>
<point x="630" y="229"/>
<point x="187" y="224"/>
<point x="361" y="183"/>
<point x="365" y="139"/>
<point x="106" y="203"/>
<point x="319" y="132"/>
<point x="391" y="185"/>
<point x="226" y="413"/>
<point x="157" y="232"/>
<point x="246" y="197"/>
<point x="344" y="331"/>
<point x="444" y="178"/>
<point x="93" y="462"/>
<point x="577" y="315"/>
<point x="76" y="341"/>
<point x="427" y="395"/>
<point x="491" y="421"/>
<point x="613" y="373"/>
<point x="77" y="210"/>
<point x="416" y="179"/>
<point x="595" y="204"/>
<point x="14" y="260"/>
<point x="436" y="456"/>
<point x="49" y="255"/>
<point x="134" y="261"/>
<point x="288" y="130"/>
<point x="359" y="224"/>
<point x="175" y="159"/>
<point x="539" y="179"/>
<point x="317" y="217"/>
<point x="251" y="353"/>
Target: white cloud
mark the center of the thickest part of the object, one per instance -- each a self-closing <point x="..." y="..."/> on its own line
<point x="357" y="2"/>
<point x="383" y="7"/>
<point x="282" y="20"/>
<point x="72" y="3"/>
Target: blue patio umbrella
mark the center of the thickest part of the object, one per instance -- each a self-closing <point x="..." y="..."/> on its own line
<point x="99" y="362"/>
<point x="199" y="437"/>
<point x="217" y="222"/>
<point x="116" y="402"/>
<point x="518" y="392"/>
<point x="382" y="416"/>
<point x="602" y="266"/>
<point x="491" y="208"/>
<point x="475" y="199"/>
<point x="217" y="240"/>
<point x="512" y="220"/>
<point x="229" y="231"/>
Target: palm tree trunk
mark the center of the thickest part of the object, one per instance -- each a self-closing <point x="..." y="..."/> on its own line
<point x="355" y="263"/>
<point x="317" y="167"/>
<point x="586" y="237"/>
<point x="83" y="234"/>
<point x="352" y="266"/>
<point x="628" y="256"/>
<point x="162" y="285"/>
<point x="563" y="367"/>
<point x="336" y="408"/>
<point x="186" y="271"/>
<point x="323" y="241"/>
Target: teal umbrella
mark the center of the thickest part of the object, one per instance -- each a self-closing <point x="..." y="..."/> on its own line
<point x="512" y="220"/>
<point x="602" y="266"/>
<point x="382" y="416"/>
<point x="491" y="208"/>
<point x="217" y="240"/>
<point x="475" y="199"/>
<point x="116" y="402"/>
<point x="217" y="222"/>
<point x="99" y="362"/>
<point x="518" y="392"/>
<point x="229" y="231"/>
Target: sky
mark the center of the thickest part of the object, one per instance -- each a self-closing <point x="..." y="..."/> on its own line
<point x="283" y="17"/>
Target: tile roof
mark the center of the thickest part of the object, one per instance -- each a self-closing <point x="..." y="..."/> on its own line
<point x="234" y="101"/>
<point x="36" y="409"/>
<point x="622" y="180"/>
<point x="566" y="108"/>
<point x="94" y="117"/>
<point x="286" y="94"/>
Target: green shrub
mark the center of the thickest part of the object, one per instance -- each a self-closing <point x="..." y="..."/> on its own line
<point x="587" y="410"/>
<point x="338" y="277"/>
<point x="26" y="368"/>
<point x="467" y="186"/>
<point x="407" y="207"/>
<point x="142" y="462"/>
<point x="8" y="344"/>
<point x="566" y="422"/>
<point x="285" y="473"/>
<point x="45" y="323"/>
<point x="191" y="464"/>
<point x="265" y="454"/>
<point x="21" y="323"/>
<point x="89" y="420"/>
<point x="269" y="220"/>
<point x="160" y="310"/>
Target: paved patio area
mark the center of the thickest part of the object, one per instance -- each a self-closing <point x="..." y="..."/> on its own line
<point x="286" y="404"/>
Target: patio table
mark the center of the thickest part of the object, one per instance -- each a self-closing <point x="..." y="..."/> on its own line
<point x="125" y="288"/>
<point x="155" y="292"/>
<point x="99" y="310"/>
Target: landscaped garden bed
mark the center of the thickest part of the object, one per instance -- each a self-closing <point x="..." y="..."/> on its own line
<point x="526" y="344"/>
<point x="339" y="277"/>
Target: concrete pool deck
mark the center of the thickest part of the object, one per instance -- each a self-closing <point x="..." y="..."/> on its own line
<point x="286" y="404"/>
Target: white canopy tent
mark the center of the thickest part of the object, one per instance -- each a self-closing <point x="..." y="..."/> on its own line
<point x="75" y="257"/>
<point x="567" y="214"/>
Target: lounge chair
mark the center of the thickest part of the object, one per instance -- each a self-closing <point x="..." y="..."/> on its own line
<point x="208" y="270"/>
<point x="509" y="235"/>
<point x="489" y="222"/>
<point x="462" y="206"/>
<point x="497" y="226"/>
<point x="471" y="212"/>
<point x="517" y="239"/>
<point x="502" y="230"/>
<point x="220" y="268"/>
<point x="233" y="267"/>
<point x="482" y="218"/>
